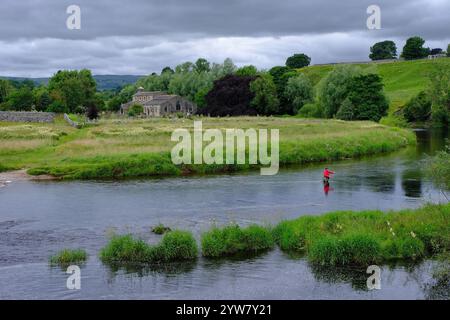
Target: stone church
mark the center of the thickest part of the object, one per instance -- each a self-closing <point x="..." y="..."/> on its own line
<point x="158" y="104"/>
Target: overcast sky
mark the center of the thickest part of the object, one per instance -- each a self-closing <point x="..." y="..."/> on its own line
<point x="143" y="36"/>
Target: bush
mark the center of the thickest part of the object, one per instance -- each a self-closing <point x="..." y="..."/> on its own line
<point x="57" y="107"/>
<point x="311" y="110"/>
<point x="135" y="110"/>
<point x="418" y="108"/>
<point x="232" y="240"/>
<point x="68" y="256"/>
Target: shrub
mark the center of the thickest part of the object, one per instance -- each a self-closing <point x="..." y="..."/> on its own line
<point x="311" y="110"/>
<point x="232" y="239"/>
<point x="57" y="107"/>
<point x="67" y="256"/>
<point x="418" y="108"/>
<point x="135" y="110"/>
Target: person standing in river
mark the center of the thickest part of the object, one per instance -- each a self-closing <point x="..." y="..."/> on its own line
<point x="327" y="175"/>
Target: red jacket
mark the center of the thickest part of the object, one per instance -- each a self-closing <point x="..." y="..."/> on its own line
<point x="326" y="173"/>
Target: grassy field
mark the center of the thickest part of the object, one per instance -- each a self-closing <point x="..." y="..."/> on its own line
<point x="119" y="148"/>
<point x="403" y="80"/>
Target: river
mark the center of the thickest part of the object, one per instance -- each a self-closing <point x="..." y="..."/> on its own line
<point x="39" y="218"/>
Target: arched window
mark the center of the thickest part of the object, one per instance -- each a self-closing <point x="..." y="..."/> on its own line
<point x="178" y="108"/>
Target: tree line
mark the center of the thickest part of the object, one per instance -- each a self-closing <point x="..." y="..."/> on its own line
<point x="413" y="49"/>
<point x="223" y="89"/>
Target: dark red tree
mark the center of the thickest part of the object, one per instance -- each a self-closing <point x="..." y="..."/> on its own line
<point x="230" y="96"/>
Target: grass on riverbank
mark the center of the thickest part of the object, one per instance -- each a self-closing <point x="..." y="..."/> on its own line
<point x="121" y="148"/>
<point x="174" y="246"/>
<point x="232" y="240"/>
<point x="361" y="238"/>
<point x="68" y="256"/>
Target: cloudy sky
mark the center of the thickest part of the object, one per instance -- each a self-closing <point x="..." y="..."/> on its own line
<point x="143" y="36"/>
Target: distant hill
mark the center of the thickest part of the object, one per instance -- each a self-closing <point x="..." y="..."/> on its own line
<point x="104" y="82"/>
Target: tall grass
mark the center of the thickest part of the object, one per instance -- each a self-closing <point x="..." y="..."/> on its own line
<point x="67" y="256"/>
<point x="232" y="239"/>
<point x="174" y="246"/>
<point x="342" y="238"/>
<point x="142" y="148"/>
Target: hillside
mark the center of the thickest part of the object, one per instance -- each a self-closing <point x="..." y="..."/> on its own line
<point x="402" y="79"/>
<point x="104" y="82"/>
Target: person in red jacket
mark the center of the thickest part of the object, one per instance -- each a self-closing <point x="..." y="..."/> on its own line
<point x="327" y="175"/>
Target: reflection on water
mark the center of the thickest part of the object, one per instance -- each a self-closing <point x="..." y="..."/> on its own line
<point x="38" y="219"/>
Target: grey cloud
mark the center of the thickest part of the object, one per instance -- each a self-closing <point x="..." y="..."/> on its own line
<point x="142" y="36"/>
<point x="207" y="18"/>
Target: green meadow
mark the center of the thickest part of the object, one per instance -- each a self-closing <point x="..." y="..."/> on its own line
<point x="122" y="147"/>
<point x="402" y="80"/>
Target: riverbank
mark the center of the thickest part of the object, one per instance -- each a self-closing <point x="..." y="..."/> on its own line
<point x="123" y="148"/>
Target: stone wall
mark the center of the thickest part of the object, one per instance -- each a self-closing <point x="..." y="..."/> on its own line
<point x="25" y="116"/>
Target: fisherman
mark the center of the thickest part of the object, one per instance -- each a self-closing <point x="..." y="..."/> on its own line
<point x="326" y="175"/>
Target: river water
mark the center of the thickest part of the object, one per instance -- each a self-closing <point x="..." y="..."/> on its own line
<point x="39" y="218"/>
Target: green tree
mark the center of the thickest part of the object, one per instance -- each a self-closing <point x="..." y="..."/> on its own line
<point x="439" y="91"/>
<point x="414" y="49"/>
<point x="41" y="97"/>
<point x="365" y="99"/>
<point x="448" y="50"/>
<point x="72" y="88"/>
<point x="299" y="91"/>
<point x="21" y="99"/>
<point x="57" y="107"/>
<point x="383" y="50"/>
<point x="5" y="89"/>
<point x="298" y="60"/>
<point x="247" y="71"/>
<point x="334" y="88"/>
<point x="202" y="65"/>
<point x="114" y="104"/>
<point x="265" y="100"/>
<point x="167" y="69"/>
<point x="185" y="67"/>
<point x="418" y="108"/>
